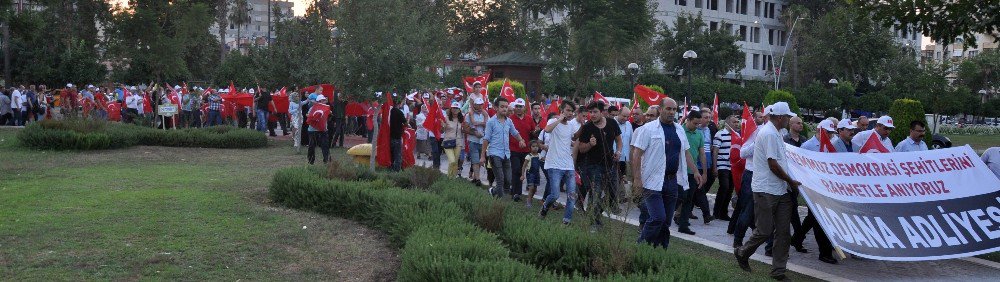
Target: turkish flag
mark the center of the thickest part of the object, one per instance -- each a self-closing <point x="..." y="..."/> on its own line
<point x="147" y="106"/>
<point x="185" y="88"/>
<point x="280" y="101"/>
<point x="327" y="90"/>
<point x="232" y="88"/>
<point x="635" y="107"/>
<point x="873" y="145"/>
<point x="114" y="112"/>
<point x="384" y="155"/>
<point x="409" y="143"/>
<point x="507" y="92"/>
<point x="824" y="143"/>
<point x="600" y="97"/>
<point x="715" y="109"/>
<point x="318" y="115"/>
<point x="738" y="164"/>
<point x="241" y="99"/>
<point x="482" y="79"/>
<point x="649" y="95"/>
<point x="434" y="118"/>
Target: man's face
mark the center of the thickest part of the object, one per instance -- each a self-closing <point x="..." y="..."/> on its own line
<point x="845" y="134"/>
<point x="882" y="130"/>
<point x="733" y="122"/>
<point x="781" y="121"/>
<point x="503" y="108"/>
<point x="568" y="111"/>
<point x="623" y="114"/>
<point x="759" y="118"/>
<point x="863" y="123"/>
<point x="477" y="107"/>
<point x="613" y="114"/>
<point x="581" y="116"/>
<point x="666" y="111"/>
<point x="595" y="114"/>
<point x="917" y="133"/>
<point x="795" y="124"/>
<point x="519" y="110"/>
<point x="693" y="123"/>
<point x="536" y="110"/>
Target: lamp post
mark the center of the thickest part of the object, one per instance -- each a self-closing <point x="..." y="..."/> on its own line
<point x="633" y="71"/>
<point x="690" y="55"/>
<point x="834" y="81"/>
<point x="777" y="81"/>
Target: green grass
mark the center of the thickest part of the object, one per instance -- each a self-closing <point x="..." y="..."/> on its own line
<point x="978" y="142"/>
<point x="168" y="213"/>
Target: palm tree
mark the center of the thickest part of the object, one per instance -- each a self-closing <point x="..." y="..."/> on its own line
<point x="240" y="17"/>
<point x="222" y="18"/>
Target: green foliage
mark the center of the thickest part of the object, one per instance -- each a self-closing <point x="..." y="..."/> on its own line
<point x="775" y="96"/>
<point x="816" y="97"/>
<point x="99" y="135"/>
<point x="903" y="112"/>
<point x="455" y="77"/>
<point x="949" y="21"/>
<point x="872" y="102"/>
<point x="845" y="43"/>
<point x="717" y="50"/>
<point x="36" y="58"/>
<point x="493" y="89"/>
<point x="979" y="72"/>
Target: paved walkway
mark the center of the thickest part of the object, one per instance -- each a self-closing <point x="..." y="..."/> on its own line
<point x="714" y="235"/>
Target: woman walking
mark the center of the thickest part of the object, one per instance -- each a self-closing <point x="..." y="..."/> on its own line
<point x="453" y="131"/>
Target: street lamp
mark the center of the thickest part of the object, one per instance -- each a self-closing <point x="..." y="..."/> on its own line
<point x="834" y="81"/>
<point x="632" y="70"/>
<point x="689" y="55"/>
<point x="777" y="81"/>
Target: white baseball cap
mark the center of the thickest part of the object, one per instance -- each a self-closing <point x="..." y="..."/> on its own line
<point x="90" y="86"/>
<point x="695" y="109"/>
<point x="767" y="110"/>
<point x="886" y="121"/>
<point x="846" y="123"/>
<point x="518" y="102"/>
<point x="826" y="125"/>
<point x="69" y="85"/>
<point x="427" y="95"/>
<point x="478" y="101"/>
<point x="321" y="97"/>
<point x="251" y="91"/>
<point x="177" y="87"/>
<point x="456" y="104"/>
<point x="781" y="109"/>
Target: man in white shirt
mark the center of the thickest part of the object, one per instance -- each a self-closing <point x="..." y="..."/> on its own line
<point x="992" y="159"/>
<point x="559" y="159"/>
<point x="17" y="100"/>
<point x="773" y="193"/>
<point x="721" y="146"/>
<point x="660" y="158"/>
<point x="134" y="104"/>
<point x="882" y="128"/>
<point x="915" y="142"/>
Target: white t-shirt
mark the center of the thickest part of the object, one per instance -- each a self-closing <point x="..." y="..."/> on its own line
<point x="421" y="130"/>
<point x="769" y="145"/>
<point x="560" y="153"/>
<point x="134" y="102"/>
<point x="17" y="99"/>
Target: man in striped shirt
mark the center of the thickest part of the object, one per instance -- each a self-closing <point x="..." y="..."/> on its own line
<point x="720" y="153"/>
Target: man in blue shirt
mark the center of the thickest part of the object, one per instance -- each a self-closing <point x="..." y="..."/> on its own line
<point x="497" y="130"/>
<point x="914" y="142"/>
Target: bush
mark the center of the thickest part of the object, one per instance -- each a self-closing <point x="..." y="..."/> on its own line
<point x="903" y="112"/>
<point x="101" y="135"/>
<point x="493" y="89"/>
<point x="775" y="96"/>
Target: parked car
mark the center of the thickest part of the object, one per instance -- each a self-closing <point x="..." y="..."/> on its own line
<point x="939" y="141"/>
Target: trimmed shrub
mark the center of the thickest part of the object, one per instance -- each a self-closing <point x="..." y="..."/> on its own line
<point x="493" y="89"/>
<point x="775" y="96"/>
<point x="100" y="135"/>
<point x="903" y="112"/>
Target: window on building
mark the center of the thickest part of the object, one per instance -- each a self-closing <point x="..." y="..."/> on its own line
<point x="713" y="5"/>
<point x="729" y="28"/>
<point x="768" y="63"/>
<point x="743" y="7"/>
<point x="782" y="38"/>
<point x="697" y="3"/>
<point x="756" y="61"/>
<point x="770" y="36"/>
<point x="680" y="2"/>
<point x="904" y="32"/>
<point x="713" y="26"/>
<point x="771" y="9"/>
<point x="729" y="5"/>
<point x="973" y="53"/>
<point x="755" y="34"/>
<point x="743" y="33"/>
<point x="756" y="8"/>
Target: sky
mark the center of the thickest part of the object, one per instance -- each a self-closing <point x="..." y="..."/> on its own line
<point x="299" y="7"/>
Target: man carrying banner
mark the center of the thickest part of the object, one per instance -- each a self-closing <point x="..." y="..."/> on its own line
<point x="845" y="131"/>
<point x="771" y="194"/>
<point x="819" y="143"/>
<point x="882" y="128"/>
<point x="915" y="142"/>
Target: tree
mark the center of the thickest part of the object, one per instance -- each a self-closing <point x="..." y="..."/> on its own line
<point x="240" y="17"/>
<point x="775" y="96"/>
<point x="981" y="72"/>
<point x="222" y="20"/>
<point x="816" y="97"/>
<point x="48" y="46"/>
<point x="943" y="21"/>
<point x="485" y="28"/>
<point x="717" y="51"/>
<point x="300" y="53"/>
<point x="846" y="44"/>
<point x="903" y="112"/>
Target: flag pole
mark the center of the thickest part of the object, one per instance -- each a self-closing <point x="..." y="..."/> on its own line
<point x="371" y="157"/>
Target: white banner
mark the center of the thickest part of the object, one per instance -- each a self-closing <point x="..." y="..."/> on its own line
<point x="909" y="206"/>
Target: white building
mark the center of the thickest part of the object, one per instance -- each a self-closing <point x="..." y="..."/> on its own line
<point x="256" y="31"/>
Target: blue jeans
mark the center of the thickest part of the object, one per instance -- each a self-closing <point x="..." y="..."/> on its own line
<point x="660" y="206"/>
<point x="600" y="181"/>
<point x="396" y="151"/>
<point x="214" y="118"/>
<point x="557" y="176"/>
<point x="262" y="120"/>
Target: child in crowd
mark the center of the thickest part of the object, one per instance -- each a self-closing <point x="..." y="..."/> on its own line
<point x="531" y="172"/>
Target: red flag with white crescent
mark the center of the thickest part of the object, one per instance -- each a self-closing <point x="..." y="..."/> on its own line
<point x="873" y="145"/>
<point x="600" y="97"/>
<point x="824" y="142"/>
<point x="715" y="109"/>
<point x="507" y="92"/>
<point x="649" y="95"/>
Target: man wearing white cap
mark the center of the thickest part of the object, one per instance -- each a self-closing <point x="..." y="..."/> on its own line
<point x="813" y="143"/>
<point x="477" y="122"/>
<point x="524" y="125"/>
<point x="825" y="247"/>
<point x="845" y="131"/>
<point x="914" y="142"/>
<point x="773" y="194"/>
<point x="882" y="127"/>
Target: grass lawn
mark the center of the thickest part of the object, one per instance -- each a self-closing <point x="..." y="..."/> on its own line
<point x="978" y="142"/>
<point x="169" y="213"/>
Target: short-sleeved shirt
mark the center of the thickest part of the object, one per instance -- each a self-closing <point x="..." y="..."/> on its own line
<point x="769" y="145"/>
<point x="603" y="153"/>
<point x="706" y="142"/>
<point x="697" y="142"/>
<point x="861" y="138"/>
<point x="524" y="127"/>
<point x="262" y="100"/>
<point x="812" y="144"/>
<point x="626" y="129"/>
<point x="723" y="142"/>
<point x="560" y="142"/>
<point x="497" y="133"/>
<point x="477" y="117"/>
<point x="653" y="139"/>
<point x="793" y="142"/>
<point x="671" y="149"/>
<point x="908" y="145"/>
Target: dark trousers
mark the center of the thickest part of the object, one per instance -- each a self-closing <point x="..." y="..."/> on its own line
<point x="396" y="151"/>
<point x="241" y="118"/>
<point x="516" y="163"/>
<point x="435" y="145"/>
<point x="545" y="172"/>
<point x="723" y="196"/>
<point x="743" y="217"/>
<point x="130" y="115"/>
<point x="692" y="197"/>
<point x="600" y="182"/>
<point x="772" y="215"/>
<point x="338" y="132"/>
<point x="502" y="175"/>
<point x="705" y="186"/>
<point x="318" y="138"/>
<point x="4" y="118"/>
<point x="825" y="247"/>
<point x="661" y="205"/>
<point x="283" y="120"/>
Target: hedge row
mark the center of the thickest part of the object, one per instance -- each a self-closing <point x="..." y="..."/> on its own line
<point x="99" y="135"/>
<point x="443" y="220"/>
<point x="437" y="243"/>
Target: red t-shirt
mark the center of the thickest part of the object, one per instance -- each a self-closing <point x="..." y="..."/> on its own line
<point x="524" y="127"/>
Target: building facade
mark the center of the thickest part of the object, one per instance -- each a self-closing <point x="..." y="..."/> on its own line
<point x="255" y="32"/>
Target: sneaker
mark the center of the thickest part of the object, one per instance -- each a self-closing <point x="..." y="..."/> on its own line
<point x="693" y="217"/>
<point x="543" y="212"/>
<point x="800" y="248"/>
<point x="780" y="277"/>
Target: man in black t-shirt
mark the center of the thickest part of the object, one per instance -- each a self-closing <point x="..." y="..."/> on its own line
<point x="262" y="101"/>
<point x="599" y="159"/>
<point x="397" y="123"/>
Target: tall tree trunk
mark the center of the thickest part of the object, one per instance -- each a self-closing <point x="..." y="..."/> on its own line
<point x="223" y="21"/>
<point x="6" y="54"/>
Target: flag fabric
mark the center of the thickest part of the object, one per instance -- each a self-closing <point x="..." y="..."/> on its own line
<point x="873" y="145"/>
<point x="507" y="92"/>
<point x="434" y="118"/>
<point x="715" y="109"/>
<point x="114" y="112"/>
<point x="635" y="106"/>
<point x="383" y="156"/>
<point x="239" y="98"/>
<point x="232" y="88"/>
<point x="649" y="95"/>
<point x="409" y="143"/>
<point x="147" y="105"/>
<point x="684" y="115"/>
<point x="281" y="102"/>
<point x="600" y="97"/>
<point x="824" y="143"/>
<point x="317" y="117"/>
<point x="553" y="108"/>
<point x="738" y="165"/>
<point x="327" y="90"/>
<point x="482" y="79"/>
<point x="184" y="90"/>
